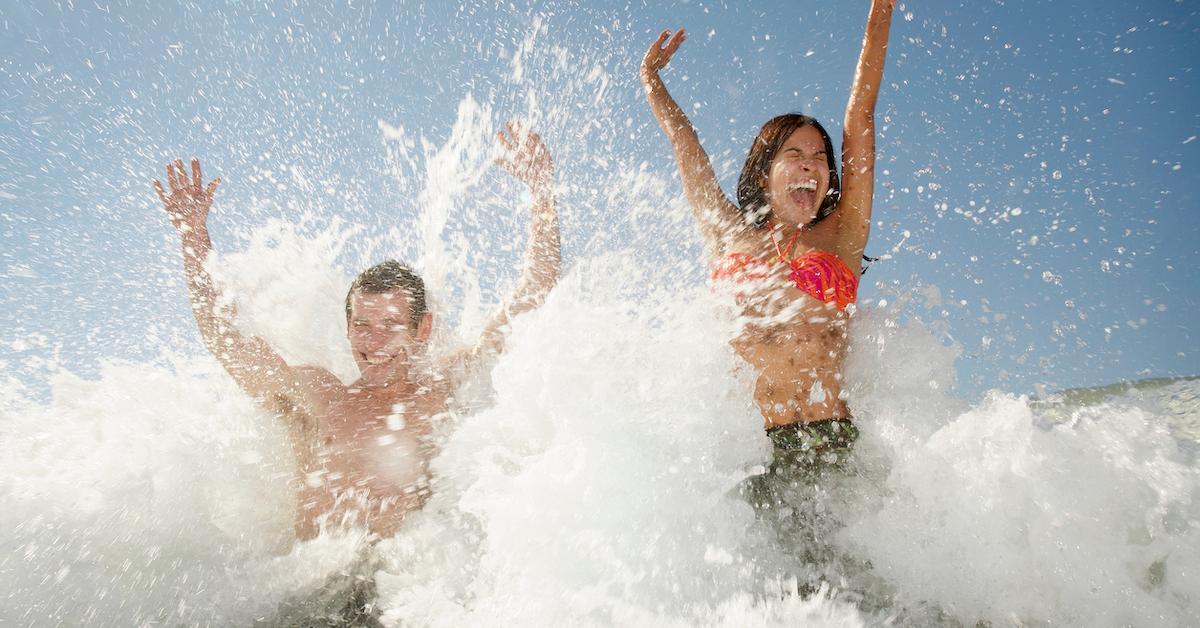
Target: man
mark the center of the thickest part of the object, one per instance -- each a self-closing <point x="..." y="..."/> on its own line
<point x="362" y="448"/>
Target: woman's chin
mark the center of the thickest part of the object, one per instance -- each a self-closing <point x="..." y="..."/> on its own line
<point x="795" y="217"/>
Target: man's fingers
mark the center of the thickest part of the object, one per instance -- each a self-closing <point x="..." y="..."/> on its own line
<point x="514" y="129"/>
<point x="212" y="187"/>
<point x="504" y="141"/>
<point x="197" y="181"/>
<point x="526" y="139"/>
<point x="508" y="166"/>
<point x="162" y="195"/>
<point x="180" y="181"/>
<point x="172" y="180"/>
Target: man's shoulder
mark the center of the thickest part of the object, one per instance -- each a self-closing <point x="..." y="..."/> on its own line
<point x="316" y="376"/>
<point x="312" y="390"/>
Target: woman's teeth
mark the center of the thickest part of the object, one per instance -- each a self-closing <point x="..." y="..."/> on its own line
<point x="803" y="194"/>
<point x="803" y="197"/>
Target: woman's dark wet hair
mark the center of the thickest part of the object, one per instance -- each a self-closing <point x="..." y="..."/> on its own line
<point x="392" y="276"/>
<point x="752" y="195"/>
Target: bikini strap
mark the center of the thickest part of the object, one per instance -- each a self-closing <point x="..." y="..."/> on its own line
<point x="783" y="253"/>
<point x="869" y="261"/>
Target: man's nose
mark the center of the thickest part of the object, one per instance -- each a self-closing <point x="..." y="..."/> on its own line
<point x="375" y="337"/>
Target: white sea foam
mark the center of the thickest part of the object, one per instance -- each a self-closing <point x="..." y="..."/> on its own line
<point x="599" y="488"/>
<point x="598" y="484"/>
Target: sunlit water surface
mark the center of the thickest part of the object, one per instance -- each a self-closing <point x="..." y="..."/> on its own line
<point x="591" y="477"/>
<point x="598" y="486"/>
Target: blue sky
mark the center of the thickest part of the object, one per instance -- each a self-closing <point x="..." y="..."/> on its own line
<point x="1039" y="154"/>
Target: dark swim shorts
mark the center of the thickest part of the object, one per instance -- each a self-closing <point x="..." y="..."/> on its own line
<point x="348" y="598"/>
<point x="810" y="471"/>
<point x="818" y="442"/>
<point x="804" y="454"/>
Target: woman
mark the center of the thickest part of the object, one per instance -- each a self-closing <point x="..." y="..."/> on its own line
<point x="791" y="247"/>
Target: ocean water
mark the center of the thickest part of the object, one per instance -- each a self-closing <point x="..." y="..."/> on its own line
<point x="594" y="482"/>
<point x="592" y="474"/>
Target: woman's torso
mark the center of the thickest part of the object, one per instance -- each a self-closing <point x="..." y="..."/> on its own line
<point x="796" y="340"/>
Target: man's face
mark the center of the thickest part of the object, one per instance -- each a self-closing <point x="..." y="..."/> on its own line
<point x="380" y="329"/>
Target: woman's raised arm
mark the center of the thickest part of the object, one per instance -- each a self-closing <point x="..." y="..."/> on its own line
<point x="717" y="216"/>
<point x="858" y="141"/>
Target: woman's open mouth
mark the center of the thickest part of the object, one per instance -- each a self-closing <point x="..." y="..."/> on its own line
<point x="803" y="194"/>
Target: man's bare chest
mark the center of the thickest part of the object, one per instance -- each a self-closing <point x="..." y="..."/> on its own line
<point x="343" y="427"/>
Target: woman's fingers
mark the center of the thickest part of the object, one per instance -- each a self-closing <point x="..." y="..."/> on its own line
<point x="675" y="42"/>
<point x="659" y="54"/>
<point x="661" y="38"/>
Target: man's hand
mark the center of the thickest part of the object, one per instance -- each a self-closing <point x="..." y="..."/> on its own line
<point x="526" y="158"/>
<point x="188" y="203"/>
<point x="658" y="56"/>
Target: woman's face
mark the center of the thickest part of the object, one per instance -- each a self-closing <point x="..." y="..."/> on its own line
<point x="799" y="177"/>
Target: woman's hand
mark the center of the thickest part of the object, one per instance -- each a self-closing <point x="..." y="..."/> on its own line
<point x="526" y="158"/>
<point x="658" y="56"/>
<point x="188" y="203"/>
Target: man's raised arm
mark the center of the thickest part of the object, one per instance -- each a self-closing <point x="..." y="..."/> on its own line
<point x="259" y="371"/>
<point x="529" y="161"/>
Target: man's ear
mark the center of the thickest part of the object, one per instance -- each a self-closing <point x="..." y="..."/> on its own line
<point x="425" y="327"/>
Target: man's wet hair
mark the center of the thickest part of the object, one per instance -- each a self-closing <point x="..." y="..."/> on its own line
<point x="392" y="276"/>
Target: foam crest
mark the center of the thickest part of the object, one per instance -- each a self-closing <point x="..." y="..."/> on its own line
<point x="995" y="514"/>
<point x="128" y="499"/>
<point x="599" y="487"/>
<point x="605" y="500"/>
<point x="285" y="284"/>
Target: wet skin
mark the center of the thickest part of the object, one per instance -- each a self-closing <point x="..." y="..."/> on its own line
<point x="363" y="448"/>
<point x="797" y="342"/>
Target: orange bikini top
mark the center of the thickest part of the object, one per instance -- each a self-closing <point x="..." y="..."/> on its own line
<point x="820" y="274"/>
